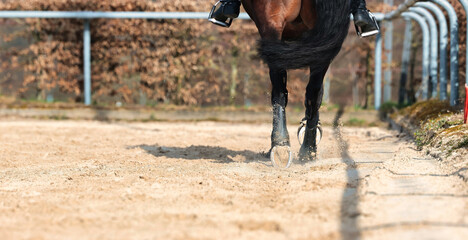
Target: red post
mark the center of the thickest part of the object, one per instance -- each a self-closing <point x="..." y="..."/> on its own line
<point x="466" y="102"/>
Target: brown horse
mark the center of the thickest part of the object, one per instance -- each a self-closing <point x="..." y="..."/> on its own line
<point x="297" y="34"/>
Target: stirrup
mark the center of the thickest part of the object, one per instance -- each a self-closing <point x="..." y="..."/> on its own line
<point x="361" y="31"/>
<point x="227" y="23"/>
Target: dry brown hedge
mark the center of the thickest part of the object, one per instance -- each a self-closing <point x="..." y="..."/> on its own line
<point x="176" y="61"/>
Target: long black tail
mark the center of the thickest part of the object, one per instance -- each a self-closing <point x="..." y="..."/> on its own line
<point x="318" y="46"/>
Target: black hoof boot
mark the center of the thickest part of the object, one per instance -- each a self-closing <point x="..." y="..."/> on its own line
<point x="224" y="11"/>
<point x="280" y="152"/>
<point x="279" y="135"/>
<point x="364" y="21"/>
<point x="308" y="151"/>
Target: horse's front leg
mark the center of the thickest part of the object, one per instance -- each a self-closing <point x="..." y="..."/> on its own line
<point x="280" y="153"/>
<point x="314" y="93"/>
<point x="279" y="100"/>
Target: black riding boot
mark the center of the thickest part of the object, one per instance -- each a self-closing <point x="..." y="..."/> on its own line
<point x="364" y="21"/>
<point x="224" y="12"/>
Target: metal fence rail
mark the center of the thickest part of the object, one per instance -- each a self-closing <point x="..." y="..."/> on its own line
<point x="112" y="15"/>
<point x="422" y="12"/>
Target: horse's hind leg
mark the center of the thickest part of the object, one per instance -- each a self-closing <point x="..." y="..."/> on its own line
<point x="313" y="101"/>
<point x="280" y="153"/>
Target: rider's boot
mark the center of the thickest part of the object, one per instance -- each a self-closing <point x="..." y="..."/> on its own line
<point x="364" y="21"/>
<point x="224" y="12"/>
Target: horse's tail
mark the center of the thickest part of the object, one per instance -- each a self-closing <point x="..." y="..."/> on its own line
<point x="318" y="46"/>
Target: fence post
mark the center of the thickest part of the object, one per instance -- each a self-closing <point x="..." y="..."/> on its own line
<point x="388" y="53"/>
<point x="426" y="46"/>
<point x="87" y="62"/>
<point x="405" y="60"/>
<point x="434" y="47"/>
<point x="378" y="72"/>
<point x="443" y="42"/>
<point x="453" y="50"/>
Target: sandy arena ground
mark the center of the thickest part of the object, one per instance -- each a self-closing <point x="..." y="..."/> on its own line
<point x="208" y="180"/>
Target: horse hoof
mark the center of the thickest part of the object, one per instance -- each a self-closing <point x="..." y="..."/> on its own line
<point x="301" y="133"/>
<point x="307" y="155"/>
<point x="307" y="158"/>
<point x="281" y="156"/>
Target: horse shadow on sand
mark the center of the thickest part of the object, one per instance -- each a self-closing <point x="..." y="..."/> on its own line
<point x="213" y="153"/>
